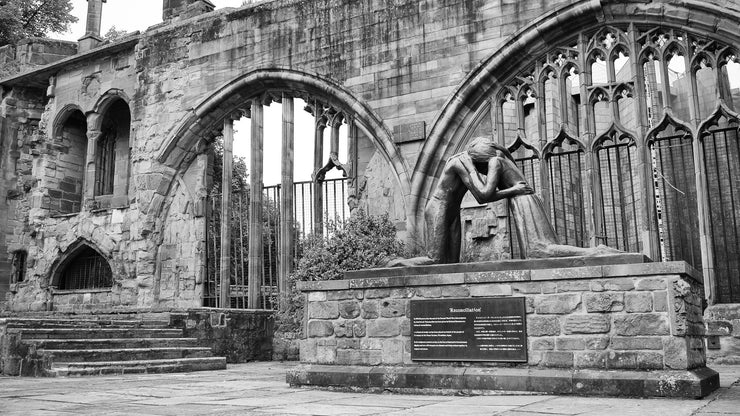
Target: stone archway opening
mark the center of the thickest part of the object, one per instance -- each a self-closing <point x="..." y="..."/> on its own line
<point x="66" y="189"/>
<point x="335" y="114"/>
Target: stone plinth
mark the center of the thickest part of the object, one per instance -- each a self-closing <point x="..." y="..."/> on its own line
<point x="590" y="322"/>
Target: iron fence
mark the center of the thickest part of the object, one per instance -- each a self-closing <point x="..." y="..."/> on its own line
<point x="334" y="207"/>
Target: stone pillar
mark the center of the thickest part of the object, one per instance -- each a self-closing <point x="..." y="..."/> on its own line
<point x="318" y="154"/>
<point x="92" y="29"/>
<point x="256" y="257"/>
<point x="226" y="176"/>
<point x="287" y="243"/>
<point x="88" y="192"/>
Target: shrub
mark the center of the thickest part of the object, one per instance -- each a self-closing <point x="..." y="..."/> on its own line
<point x="362" y="242"/>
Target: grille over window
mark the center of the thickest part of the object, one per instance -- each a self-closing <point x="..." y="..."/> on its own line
<point x="88" y="270"/>
<point x="19" y="266"/>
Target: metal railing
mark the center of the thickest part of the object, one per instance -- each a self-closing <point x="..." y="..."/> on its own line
<point x="334" y="207"/>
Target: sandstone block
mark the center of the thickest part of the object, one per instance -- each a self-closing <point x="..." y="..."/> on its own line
<point x="612" y="285"/>
<point x="538" y="326"/>
<point x="676" y="353"/>
<point x="604" y="302"/>
<point x="542" y="344"/>
<point x="402" y="293"/>
<point x="557" y="304"/>
<point x="597" y="343"/>
<point x="641" y="324"/>
<point x="343" y="329"/>
<point x="557" y="359"/>
<point x="638" y="302"/>
<point x="326" y="354"/>
<point x="650" y="283"/>
<point x="359" y="357"/>
<point x="344" y="294"/>
<point x="370" y="309"/>
<point x="393" y="308"/>
<point x="636" y="343"/>
<point x="316" y="296"/>
<point x="349" y="309"/>
<point x="307" y="351"/>
<point x="526" y="287"/>
<point x="596" y="359"/>
<point x="384" y="328"/>
<point x="721" y="328"/>
<point x="490" y="289"/>
<point x="587" y="324"/>
<point x="359" y="328"/>
<point x="348" y="344"/>
<point x="570" y="344"/>
<point x="429" y="292"/>
<point x="377" y="293"/>
<point x="323" y="310"/>
<point x="660" y="301"/>
<point x="573" y="286"/>
<point x="455" y="292"/>
<point x="320" y="329"/>
<point x="392" y="351"/>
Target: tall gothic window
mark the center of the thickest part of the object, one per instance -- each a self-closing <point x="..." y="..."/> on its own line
<point x="613" y="114"/>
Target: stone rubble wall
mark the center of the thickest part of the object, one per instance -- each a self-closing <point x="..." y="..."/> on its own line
<point x="638" y="317"/>
<point x="723" y="322"/>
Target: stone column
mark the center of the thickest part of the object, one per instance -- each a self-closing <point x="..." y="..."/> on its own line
<point x="287" y="243"/>
<point x="90" y="168"/>
<point x="226" y="176"/>
<point x="256" y="257"/>
<point x="318" y="154"/>
<point x="92" y="29"/>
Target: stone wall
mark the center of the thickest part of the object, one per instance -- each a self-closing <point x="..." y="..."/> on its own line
<point x="630" y="316"/>
<point x="723" y="333"/>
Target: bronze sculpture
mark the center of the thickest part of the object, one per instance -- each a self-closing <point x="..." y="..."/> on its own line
<point x="489" y="172"/>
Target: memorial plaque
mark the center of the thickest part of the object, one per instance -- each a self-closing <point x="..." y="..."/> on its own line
<point x="481" y="329"/>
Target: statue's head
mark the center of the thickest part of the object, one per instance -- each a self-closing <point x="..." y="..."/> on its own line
<point x="482" y="149"/>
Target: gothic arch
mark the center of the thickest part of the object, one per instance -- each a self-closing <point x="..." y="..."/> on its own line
<point x="555" y="27"/>
<point x="69" y="254"/>
<point x="203" y="118"/>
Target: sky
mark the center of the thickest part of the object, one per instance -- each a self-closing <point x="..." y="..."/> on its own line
<point x="133" y="15"/>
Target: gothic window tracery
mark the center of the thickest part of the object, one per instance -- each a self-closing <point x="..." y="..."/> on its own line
<point x="623" y="103"/>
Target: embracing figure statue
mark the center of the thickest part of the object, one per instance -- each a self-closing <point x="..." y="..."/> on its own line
<point x="489" y="172"/>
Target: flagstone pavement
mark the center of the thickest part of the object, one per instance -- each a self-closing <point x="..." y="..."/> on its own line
<point x="260" y="389"/>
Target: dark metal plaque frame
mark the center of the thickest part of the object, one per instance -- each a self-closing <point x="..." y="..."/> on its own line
<point x="491" y="329"/>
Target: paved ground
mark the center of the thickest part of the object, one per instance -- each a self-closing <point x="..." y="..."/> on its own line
<point x="260" y="389"/>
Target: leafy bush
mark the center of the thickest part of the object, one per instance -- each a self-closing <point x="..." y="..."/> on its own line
<point x="362" y="242"/>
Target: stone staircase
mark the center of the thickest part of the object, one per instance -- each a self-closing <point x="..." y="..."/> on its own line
<point x="99" y="345"/>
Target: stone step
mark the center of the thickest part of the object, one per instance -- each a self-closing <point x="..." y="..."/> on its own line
<point x="97" y="333"/>
<point x="83" y="323"/>
<point x="126" y="354"/>
<point x="139" y="366"/>
<point x="112" y="343"/>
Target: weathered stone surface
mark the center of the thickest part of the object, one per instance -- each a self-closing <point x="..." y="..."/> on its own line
<point x="323" y="310"/>
<point x="359" y="328"/>
<point x="557" y="304"/>
<point x="590" y="359"/>
<point x="570" y="343"/>
<point x="597" y="343"/>
<point x="641" y="324"/>
<point x="676" y="353"/>
<point x="660" y="301"/>
<point x="490" y="289"/>
<point x="617" y="285"/>
<point x="370" y="309"/>
<point x="344" y="294"/>
<point x="316" y="296"/>
<point x="538" y="326"/>
<point x="636" y="343"/>
<point x="604" y="302"/>
<point x="542" y="344"/>
<point x="587" y="324"/>
<point x="392" y="308"/>
<point x="393" y="351"/>
<point x="320" y="328"/>
<point x="720" y="328"/>
<point x="557" y="359"/>
<point x="349" y="309"/>
<point x="455" y="292"/>
<point x="638" y="302"/>
<point x="429" y="292"/>
<point x="343" y="329"/>
<point x="384" y="327"/>
<point x="377" y="293"/>
<point x="650" y="283"/>
<point x="359" y="357"/>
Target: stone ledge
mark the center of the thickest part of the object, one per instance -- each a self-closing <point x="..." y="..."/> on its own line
<point x="567" y="268"/>
<point x="695" y="383"/>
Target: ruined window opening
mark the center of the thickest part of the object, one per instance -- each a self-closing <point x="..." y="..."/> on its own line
<point x="66" y="189"/>
<point x="112" y="154"/>
<point x="18" y="273"/>
<point x="86" y="270"/>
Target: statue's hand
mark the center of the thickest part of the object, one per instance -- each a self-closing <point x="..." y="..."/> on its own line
<point x="467" y="162"/>
<point x="522" y="188"/>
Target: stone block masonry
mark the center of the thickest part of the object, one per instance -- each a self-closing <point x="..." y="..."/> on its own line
<point x="626" y="317"/>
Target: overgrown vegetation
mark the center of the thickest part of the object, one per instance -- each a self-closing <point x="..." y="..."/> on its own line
<point x="363" y="241"/>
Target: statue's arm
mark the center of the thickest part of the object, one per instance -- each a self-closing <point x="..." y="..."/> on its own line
<point x="484" y="188"/>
